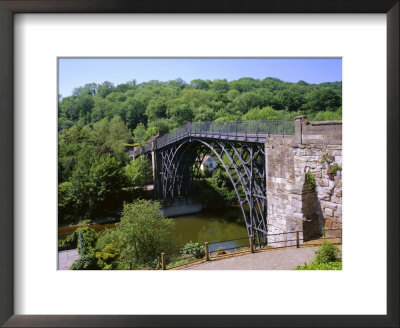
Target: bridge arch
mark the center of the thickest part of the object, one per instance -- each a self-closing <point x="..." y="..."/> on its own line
<point x="244" y="164"/>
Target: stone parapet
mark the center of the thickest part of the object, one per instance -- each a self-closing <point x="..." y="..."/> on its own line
<point x="319" y="133"/>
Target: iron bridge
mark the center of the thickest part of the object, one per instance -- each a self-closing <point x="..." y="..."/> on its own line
<point x="238" y="146"/>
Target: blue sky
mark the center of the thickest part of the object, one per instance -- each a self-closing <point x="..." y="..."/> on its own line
<point x="76" y="72"/>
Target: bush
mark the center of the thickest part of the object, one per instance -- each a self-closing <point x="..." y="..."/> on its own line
<point x="310" y="179"/>
<point x="109" y="254"/>
<point x="326" y="253"/>
<point x="104" y="238"/>
<point x="88" y="239"/>
<point x="68" y="243"/>
<point x="335" y="168"/>
<point x="195" y="249"/>
<point x="327" y="257"/>
<point x="86" y="262"/>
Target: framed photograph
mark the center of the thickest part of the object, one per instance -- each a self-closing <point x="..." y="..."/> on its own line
<point x="43" y="42"/>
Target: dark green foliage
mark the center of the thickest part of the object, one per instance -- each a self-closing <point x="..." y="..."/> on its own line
<point x="88" y="240"/>
<point x="217" y="184"/>
<point x="88" y="237"/>
<point x="86" y="262"/>
<point x="68" y="243"/>
<point x="195" y="249"/>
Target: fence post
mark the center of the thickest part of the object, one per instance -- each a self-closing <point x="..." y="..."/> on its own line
<point x="130" y="265"/>
<point x="297" y="239"/>
<point x="206" y="250"/>
<point x="251" y="244"/>
<point x="163" y="261"/>
<point x="80" y="242"/>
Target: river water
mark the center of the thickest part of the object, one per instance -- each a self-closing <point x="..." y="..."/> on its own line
<point x="213" y="226"/>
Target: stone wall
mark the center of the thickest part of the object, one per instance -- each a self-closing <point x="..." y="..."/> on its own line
<point x="294" y="203"/>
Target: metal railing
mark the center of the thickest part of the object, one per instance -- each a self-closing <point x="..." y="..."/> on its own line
<point x="256" y="131"/>
<point x="177" y="259"/>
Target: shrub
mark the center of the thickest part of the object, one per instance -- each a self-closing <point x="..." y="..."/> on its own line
<point x="327" y="257"/>
<point x="195" y="249"/>
<point x="88" y="238"/>
<point x="326" y="253"/>
<point x="104" y="238"/>
<point x="335" y="168"/>
<point x="109" y="254"/>
<point x="310" y="179"/>
<point x="68" y="243"/>
<point x="86" y="262"/>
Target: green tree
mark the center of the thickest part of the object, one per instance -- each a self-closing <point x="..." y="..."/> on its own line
<point x="105" y="89"/>
<point x="143" y="233"/>
<point x="139" y="172"/>
<point x="199" y="84"/>
<point x="156" y="108"/>
<point x="322" y="100"/>
<point x="119" y="134"/>
<point x="95" y="183"/>
<point x="140" y="134"/>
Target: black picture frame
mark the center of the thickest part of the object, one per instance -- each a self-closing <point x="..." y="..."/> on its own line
<point x="7" y="10"/>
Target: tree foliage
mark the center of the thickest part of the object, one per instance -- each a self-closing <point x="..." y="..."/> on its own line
<point x="163" y="106"/>
<point x="142" y="233"/>
<point x="98" y="120"/>
<point x="139" y="172"/>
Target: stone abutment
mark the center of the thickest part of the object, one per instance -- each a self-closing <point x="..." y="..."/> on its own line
<point x="304" y="182"/>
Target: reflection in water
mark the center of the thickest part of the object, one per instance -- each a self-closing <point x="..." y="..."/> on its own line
<point x="208" y="225"/>
<point x="211" y="226"/>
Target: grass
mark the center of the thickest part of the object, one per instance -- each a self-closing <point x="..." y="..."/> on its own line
<point x="321" y="266"/>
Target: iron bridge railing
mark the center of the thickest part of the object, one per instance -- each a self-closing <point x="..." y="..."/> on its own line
<point x="255" y="131"/>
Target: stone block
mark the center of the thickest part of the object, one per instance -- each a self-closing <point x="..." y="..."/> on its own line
<point x="327" y="190"/>
<point x="338" y="218"/>
<point x="328" y="211"/>
<point x="334" y="147"/>
<point x="296" y="204"/>
<point x="330" y="205"/>
<point x="323" y="182"/>
<point x="325" y="197"/>
<point x="328" y="222"/>
<point x="318" y="174"/>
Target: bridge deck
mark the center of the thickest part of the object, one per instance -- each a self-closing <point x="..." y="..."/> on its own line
<point x="249" y="131"/>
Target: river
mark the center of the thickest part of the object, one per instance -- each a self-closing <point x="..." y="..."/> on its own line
<point x="212" y="225"/>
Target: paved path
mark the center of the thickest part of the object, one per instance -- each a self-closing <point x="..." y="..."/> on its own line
<point x="66" y="258"/>
<point x="279" y="259"/>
